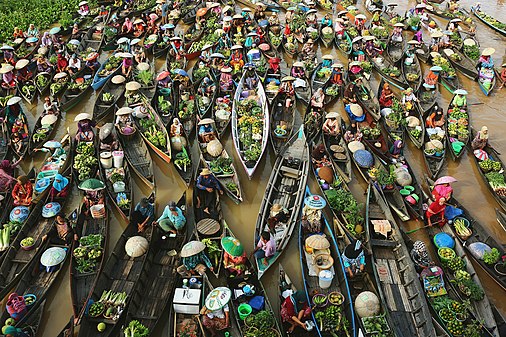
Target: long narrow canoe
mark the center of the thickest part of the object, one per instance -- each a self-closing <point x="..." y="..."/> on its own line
<point x="412" y="72"/>
<point x="395" y="273"/>
<point x="282" y="120"/>
<point x="78" y="87"/>
<point x="102" y="74"/>
<point x="342" y="163"/>
<point x="285" y="187"/>
<point x="434" y="162"/>
<point x="487" y="85"/>
<point x="31" y="324"/>
<point x="120" y="274"/>
<point x="488" y="20"/>
<point x="82" y="282"/>
<point x="105" y="104"/>
<point x="42" y="133"/>
<point x="250" y="137"/>
<point x="43" y="81"/>
<point x="338" y="282"/>
<point x="462" y="63"/>
<point x="451" y="134"/>
<point x="68" y="329"/>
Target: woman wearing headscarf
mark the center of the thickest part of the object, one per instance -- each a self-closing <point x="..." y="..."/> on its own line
<point x="386" y="98"/>
<point x="295" y="310"/>
<point x="85" y="130"/>
<point x="60" y="188"/>
<point x="352" y="133"/>
<point x="354" y="258"/>
<point x="127" y="26"/>
<point x="43" y="64"/>
<point x="480" y="141"/>
<point x="22" y="192"/>
<point x="436" y="212"/>
<point x="396" y="149"/>
<point x="6" y="174"/>
<point x="46" y="40"/>
<point x="32" y="31"/>
<point x="420" y="256"/>
<point x="61" y="233"/>
<point x="8" y="78"/>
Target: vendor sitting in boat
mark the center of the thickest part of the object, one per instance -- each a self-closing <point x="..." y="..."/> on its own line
<point x="355" y="112"/>
<point x="8" y="78"/>
<point x="139" y="27"/>
<point x="265" y="248"/>
<point x="336" y="77"/>
<point x="124" y="121"/>
<point x="319" y="157"/>
<point x="23" y="72"/>
<point x="206" y="131"/>
<point x="84" y="9"/>
<point x="22" y="192"/>
<point x="277" y="215"/>
<point x="435" y="214"/>
<point x="486" y="60"/>
<point x="143" y="214"/>
<point x="61" y="233"/>
<point x="354" y="258"/>
<point x="92" y="62"/>
<point x="386" y="98"/>
<point x="234" y="256"/>
<point x="420" y="256"/>
<point x="298" y="70"/>
<point x="50" y="108"/>
<point x="408" y="101"/>
<point x="172" y="219"/>
<point x="207" y="185"/>
<point x="194" y="259"/>
<point x="60" y="188"/>
<point x="459" y="101"/>
<point x="236" y="59"/>
<point x="250" y="77"/>
<point x="352" y="133"/>
<point x="312" y="215"/>
<point x="480" y="141"/>
<point x="85" y="127"/>
<point x="296" y="311"/>
<point x="339" y="28"/>
<point x="127" y="27"/>
<point x="331" y="125"/>
<point x="432" y="77"/>
<point x="503" y="75"/>
<point x="92" y="198"/>
<point x="226" y="82"/>
<point x="436" y="118"/>
<point x="108" y="141"/>
<point x="215" y="312"/>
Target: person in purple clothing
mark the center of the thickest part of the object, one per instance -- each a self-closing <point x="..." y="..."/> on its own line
<point x="266" y="247"/>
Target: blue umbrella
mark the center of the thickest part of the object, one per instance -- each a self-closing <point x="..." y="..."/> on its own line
<point x="180" y="72"/>
<point x="54" y="30"/>
<point x="32" y="39"/>
<point x="363" y="158"/>
<point x="263" y="23"/>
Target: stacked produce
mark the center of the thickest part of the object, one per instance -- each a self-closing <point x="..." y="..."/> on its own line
<point x="85" y="160"/>
<point x="495" y="177"/>
<point x="260" y="324"/>
<point x="251" y="126"/>
<point x="109" y="305"/>
<point x="136" y="329"/>
<point x="458" y="124"/>
<point x="88" y="252"/>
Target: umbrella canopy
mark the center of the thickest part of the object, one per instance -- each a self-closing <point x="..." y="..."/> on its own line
<point x="180" y="72"/>
<point x="317" y="242"/>
<point x="315" y="202"/>
<point x="48" y="120"/>
<point x="6" y="47"/>
<point x="74" y="42"/>
<point x="32" y="39"/>
<point x="192" y="248"/>
<point x="264" y="47"/>
<point x="22" y="63"/>
<point x="92" y="184"/>
<point x="54" y="30"/>
<point x="123" y="40"/>
<point x="82" y="116"/>
<point x="232" y="246"/>
<point x="363" y="158"/>
<point x="480" y="154"/>
<point x="218" y="298"/>
<point x="52" y="144"/>
<point x="445" y="180"/>
<point x="51" y="209"/>
<point x="136" y="246"/>
<point x="162" y="75"/>
<point x="436" y="68"/>
<point x="53" y="256"/>
<point x="202" y="11"/>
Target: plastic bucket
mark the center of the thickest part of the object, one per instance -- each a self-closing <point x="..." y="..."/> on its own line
<point x="444" y="258"/>
<point x="118" y="186"/>
<point x="106" y="160"/>
<point x="118" y="158"/>
<point x="244" y="310"/>
<point x="97" y="211"/>
<point x="443" y="240"/>
<point x="325" y="278"/>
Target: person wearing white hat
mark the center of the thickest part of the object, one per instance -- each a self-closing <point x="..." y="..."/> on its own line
<point x="74" y="64"/>
<point x="331" y="124"/>
<point x="124" y="121"/>
<point x="8" y="55"/>
<point x="486" y="60"/>
<point x="339" y="28"/>
<point x="23" y="72"/>
<point x="50" y="108"/>
<point x="460" y="100"/>
<point x="85" y="125"/>
<point x="207" y="185"/>
<point x="8" y="78"/>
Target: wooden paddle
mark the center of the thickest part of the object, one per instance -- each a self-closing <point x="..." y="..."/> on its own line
<point x="417" y="229"/>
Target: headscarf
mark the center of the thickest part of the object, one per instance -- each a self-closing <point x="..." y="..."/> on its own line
<point x="298" y="298"/>
<point x="420" y="250"/>
<point x="60" y="182"/>
<point x="354" y="249"/>
<point x="6" y="166"/>
<point x="484" y="133"/>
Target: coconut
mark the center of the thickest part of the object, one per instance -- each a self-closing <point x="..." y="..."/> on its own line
<point x="214" y="148"/>
<point x="326" y="174"/>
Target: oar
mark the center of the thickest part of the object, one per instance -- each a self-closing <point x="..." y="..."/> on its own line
<point x="417" y="229"/>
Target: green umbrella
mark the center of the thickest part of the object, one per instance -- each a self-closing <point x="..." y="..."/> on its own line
<point x="92" y="184"/>
<point x="232" y="246"/>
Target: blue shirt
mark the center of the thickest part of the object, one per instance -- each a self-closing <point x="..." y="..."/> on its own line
<point x="205" y="129"/>
<point x="204" y="182"/>
<point x="178" y="220"/>
<point x="148" y="211"/>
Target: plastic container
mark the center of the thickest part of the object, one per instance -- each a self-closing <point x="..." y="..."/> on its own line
<point x="244" y="310"/>
<point x="106" y="159"/>
<point x="325" y="278"/>
<point x="443" y="258"/>
<point x="16" y="306"/>
<point x="97" y="211"/>
<point x="118" y="157"/>
<point x="118" y="186"/>
<point x="443" y="240"/>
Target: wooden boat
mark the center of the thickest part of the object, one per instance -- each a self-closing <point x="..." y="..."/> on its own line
<point x="138" y="156"/>
<point x="452" y="136"/>
<point x="282" y="120"/>
<point x="181" y="323"/>
<point x="68" y="329"/>
<point x="449" y="78"/>
<point x="222" y="110"/>
<point x="344" y="44"/>
<point x="184" y="103"/>
<point x="120" y="274"/>
<point x="327" y="40"/>
<point x="228" y="178"/>
<point x="24" y="141"/>
<point x="43" y="81"/>
<point x="412" y="72"/>
<point x="394" y="272"/>
<point x="320" y="77"/>
<point x="313" y="122"/>
<point x="415" y="134"/>
<point x="149" y="302"/>
<point x="427" y="99"/>
<point x="37" y="281"/>
<point x="155" y="123"/>
<point x="250" y="154"/>
<point x="462" y="63"/>
<point x="124" y="209"/>
<point x="366" y="95"/>
<point x="102" y="74"/>
<point x="82" y="279"/>
<point x="26" y="50"/>
<point x="290" y="46"/>
<point x="488" y="20"/>
<point x="31" y="325"/>
<point x="341" y="165"/>
<point x="492" y="155"/>
<point x="395" y="50"/>
<point x="303" y="89"/>
<point x="164" y="103"/>
<point x="148" y="84"/>
<point x="383" y="69"/>
<point x="93" y="38"/>
<point x="434" y="162"/>
<point x="183" y="162"/>
<point x="205" y="100"/>
<point x="77" y="89"/>
<point x="236" y="283"/>
<point x="286" y="188"/>
<point x="339" y="280"/>
<point x="103" y="106"/>
<point x="285" y="289"/>
<point x="482" y="82"/>
<point x="27" y="90"/>
<point x="36" y="141"/>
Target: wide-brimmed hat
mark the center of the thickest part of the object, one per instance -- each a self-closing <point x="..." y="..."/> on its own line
<point x="48" y="119"/>
<point x="118" y="79"/>
<point x="53" y="256"/>
<point x="232" y="246"/>
<point x="317" y="242"/>
<point x="134" y="42"/>
<point x="236" y="46"/>
<point x="288" y="78"/>
<point x="82" y="3"/>
<point x="436" y="68"/>
<point x="192" y="248"/>
<point x="460" y="92"/>
<point x="22" y="63"/>
<point x="218" y="298"/>
<point x="143" y="66"/>
<point x="368" y="38"/>
<point x="206" y="121"/>
<point x="488" y="51"/>
<point x="13" y="100"/>
<point x="356" y="110"/>
<point x="124" y="111"/>
<point x="275" y="209"/>
<point x="436" y="34"/>
<point x="298" y="64"/>
<point x="399" y="24"/>
<point x="315" y="202"/>
<point x="82" y="116"/>
<point x="6" y="68"/>
<point x="226" y="70"/>
<point x="163" y="75"/>
<point x="332" y="114"/>
<point x="92" y="56"/>
<point x="327" y="57"/>
<point x="123" y="40"/>
<point x="422" y="5"/>
<point x="137" y="21"/>
<point x="205" y="172"/>
<point x="92" y="184"/>
<point x="413" y="42"/>
<point x="237" y="17"/>
<point x="246" y="9"/>
<point x="132" y="86"/>
<point x="337" y="65"/>
<point x="6" y="47"/>
<point x="361" y="17"/>
<point x="60" y="75"/>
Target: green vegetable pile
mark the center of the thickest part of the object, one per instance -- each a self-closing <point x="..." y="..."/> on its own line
<point x="145" y="77"/>
<point x="447" y="69"/>
<point x="261" y="320"/>
<point x="107" y="97"/>
<point x="473" y="52"/>
<point x="41" y="81"/>
<point x="85" y="160"/>
<point x="183" y="160"/>
<point x="488" y="165"/>
<point x="250" y="126"/>
<point x="333" y="321"/>
<point x="88" y="252"/>
<point x="496" y="181"/>
<point x="55" y="88"/>
<point x="392" y="71"/>
<point x="186" y="109"/>
<point x="136" y="329"/>
<point x="491" y="20"/>
<point x="344" y="203"/>
<point x="213" y="250"/>
<point x="491" y="257"/>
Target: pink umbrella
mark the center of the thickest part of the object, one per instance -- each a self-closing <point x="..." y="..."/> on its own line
<point x="480" y="154"/>
<point x="445" y="180"/>
<point x="264" y="47"/>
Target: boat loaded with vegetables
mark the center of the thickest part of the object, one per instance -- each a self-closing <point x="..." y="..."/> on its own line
<point x="457" y="127"/>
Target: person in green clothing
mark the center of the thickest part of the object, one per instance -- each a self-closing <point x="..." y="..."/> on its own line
<point x="172" y="219"/>
<point x="460" y="100"/>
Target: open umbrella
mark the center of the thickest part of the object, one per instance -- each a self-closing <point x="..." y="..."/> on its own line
<point x="52" y="144"/>
<point x="480" y="154"/>
<point x="180" y="72"/>
<point x="192" y="248"/>
<point x="445" y="180"/>
<point x="232" y="246"/>
<point x="54" y="30"/>
<point x="315" y="202"/>
<point x="92" y="184"/>
<point x="51" y="209"/>
<point x="218" y="298"/>
<point x="53" y="256"/>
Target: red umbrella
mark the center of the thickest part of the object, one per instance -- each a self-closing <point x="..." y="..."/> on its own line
<point x="445" y="180"/>
<point x="480" y="154"/>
